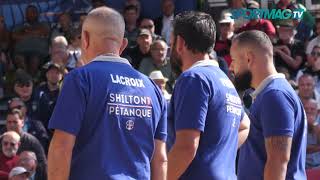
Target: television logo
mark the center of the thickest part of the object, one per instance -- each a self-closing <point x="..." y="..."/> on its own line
<point x="264" y="13"/>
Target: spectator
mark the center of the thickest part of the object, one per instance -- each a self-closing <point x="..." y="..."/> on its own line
<point x="31" y="37"/>
<point x="10" y="142"/>
<point x="30" y="125"/>
<point x="141" y="50"/>
<point x="28" y="160"/>
<point x="64" y="27"/>
<point x="96" y="4"/>
<point x="47" y="94"/>
<point x="160" y="81"/>
<point x="19" y="173"/>
<point x="288" y="52"/>
<point x="164" y="23"/>
<point x="313" y="139"/>
<point x="306" y="88"/>
<point x="223" y="44"/>
<point x="263" y="25"/>
<point x="130" y="14"/>
<point x="158" y="61"/>
<point x="312" y="67"/>
<point x="315" y="41"/>
<point x="147" y="23"/>
<point x="4" y="36"/>
<point x="135" y="3"/>
<point x="27" y="142"/>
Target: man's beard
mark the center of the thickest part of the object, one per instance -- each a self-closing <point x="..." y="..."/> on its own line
<point x="242" y="81"/>
<point x="175" y="61"/>
<point x="10" y="152"/>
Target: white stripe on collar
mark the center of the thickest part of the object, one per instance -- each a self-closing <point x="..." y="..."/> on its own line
<point x="265" y="82"/>
<point x="111" y="59"/>
<point x="206" y="62"/>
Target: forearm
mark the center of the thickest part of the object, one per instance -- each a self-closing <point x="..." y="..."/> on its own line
<point x="290" y="61"/>
<point x="179" y="159"/>
<point x="242" y="136"/>
<point x="313" y="149"/>
<point x="275" y="170"/>
<point x="159" y="169"/>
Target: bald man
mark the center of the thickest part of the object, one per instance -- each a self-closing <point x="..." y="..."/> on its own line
<point x="276" y="146"/>
<point x="109" y="120"/>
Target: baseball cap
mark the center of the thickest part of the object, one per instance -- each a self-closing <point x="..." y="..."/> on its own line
<point x="157" y="75"/>
<point x="226" y="18"/>
<point x="285" y="23"/>
<point x="17" y="171"/>
<point x="144" y="32"/>
<point x="51" y="65"/>
<point x="253" y="5"/>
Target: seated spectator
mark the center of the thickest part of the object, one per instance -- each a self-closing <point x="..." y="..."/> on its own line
<point x="10" y="142"/>
<point x="258" y="24"/>
<point x="141" y="50"/>
<point x="315" y="41"/>
<point x="31" y="38"/>
<point x="30" y="125"/>
<point x="160" y="81"/>
<point x="312" y="66"/>
<point x="288" y="52"/>
<point x="23" y="88"/>
<point x="130" y="14"/>
<point x="5" y="36"/>
<point x="306" y="88"/>
<point x="164" y="23"/>
<point x="158" y="61"/>
<point x="64" y="27"/>
<point x="28" y="142"/>
<point x="147" y="23"/>
<point x="313" y="138"/>
<point x="223" y="43"/>
<point x="28" y="160"/>
<point x="61" y="55"/>
<point x="47" y="94"/>
<point x="19" y="173"/>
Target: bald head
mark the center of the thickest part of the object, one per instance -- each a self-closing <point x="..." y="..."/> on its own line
<point x="106" y="23"/>
<point x="255" y="40"/>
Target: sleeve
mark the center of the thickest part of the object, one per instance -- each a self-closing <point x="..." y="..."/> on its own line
<point x="277" y="114"/>
<point x="161" y="131"/>
<point x="191" y="104"/>
<point x="69" y="111"/>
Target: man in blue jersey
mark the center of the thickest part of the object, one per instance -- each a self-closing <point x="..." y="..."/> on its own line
<point x="206" y="110"/>
<point x="109" y="120"/>
<point x="276" y="145"/>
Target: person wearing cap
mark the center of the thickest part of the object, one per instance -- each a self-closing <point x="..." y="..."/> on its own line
<point x="158" y="61"/>
<point x="288" y="52"/>
<point x="47" y="93"/>
<point x="109" y="120"/>
<point x="19" y="173"/>
<point x="257" y="23"/>
<point x="10" y="142"/>
<point x="130" y="14"/>
<point x="141" y="50"/>
<point x="223" y="44"/>
<point x="161" y="81"/>
<point x="28" y="160"/>
<point x="147" y="23"/>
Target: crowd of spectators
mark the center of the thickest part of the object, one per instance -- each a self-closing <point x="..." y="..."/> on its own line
<point x="35" y="56"/>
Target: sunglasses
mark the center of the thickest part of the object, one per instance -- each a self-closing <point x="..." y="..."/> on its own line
<point x="6" y="143"/>
<point x="316" y="54"/>
<point x="147" y="27"/>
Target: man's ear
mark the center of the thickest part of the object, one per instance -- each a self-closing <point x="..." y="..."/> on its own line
<point x="85" y="38"/>
<point x="123" y="45"/>
<point x="250" y="56"/>
<point x="180" y="43"/>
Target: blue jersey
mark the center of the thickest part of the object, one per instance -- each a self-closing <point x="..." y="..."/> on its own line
<point x="276" y="111"/>
<point x="115" y="112"/>
<point x="205" y="99"/>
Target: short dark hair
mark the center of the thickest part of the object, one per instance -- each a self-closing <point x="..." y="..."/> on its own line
<point x="130" y="7"/>
<point x="198" y="30"/>
<point x="14" y="112"/>
<point x="254" y="38"/>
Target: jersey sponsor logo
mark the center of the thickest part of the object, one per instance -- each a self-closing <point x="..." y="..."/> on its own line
<point x="127" y="81"/>
<point x="129" y="105"/>
<point x="233" y="104"/>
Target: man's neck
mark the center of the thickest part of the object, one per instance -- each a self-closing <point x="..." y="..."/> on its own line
<point x="131" y="27"/>
<point x="191" y="58"/>
<point x="53" y="87"/>
<point x="261" y="75"/>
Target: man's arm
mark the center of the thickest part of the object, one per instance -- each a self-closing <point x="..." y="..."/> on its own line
<point x="59" y="157"/>
<point x="183" y="152"/>
<point x="244" y="129"/>
<point x="159" y="163"/>
<point x="278" y="155"/>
